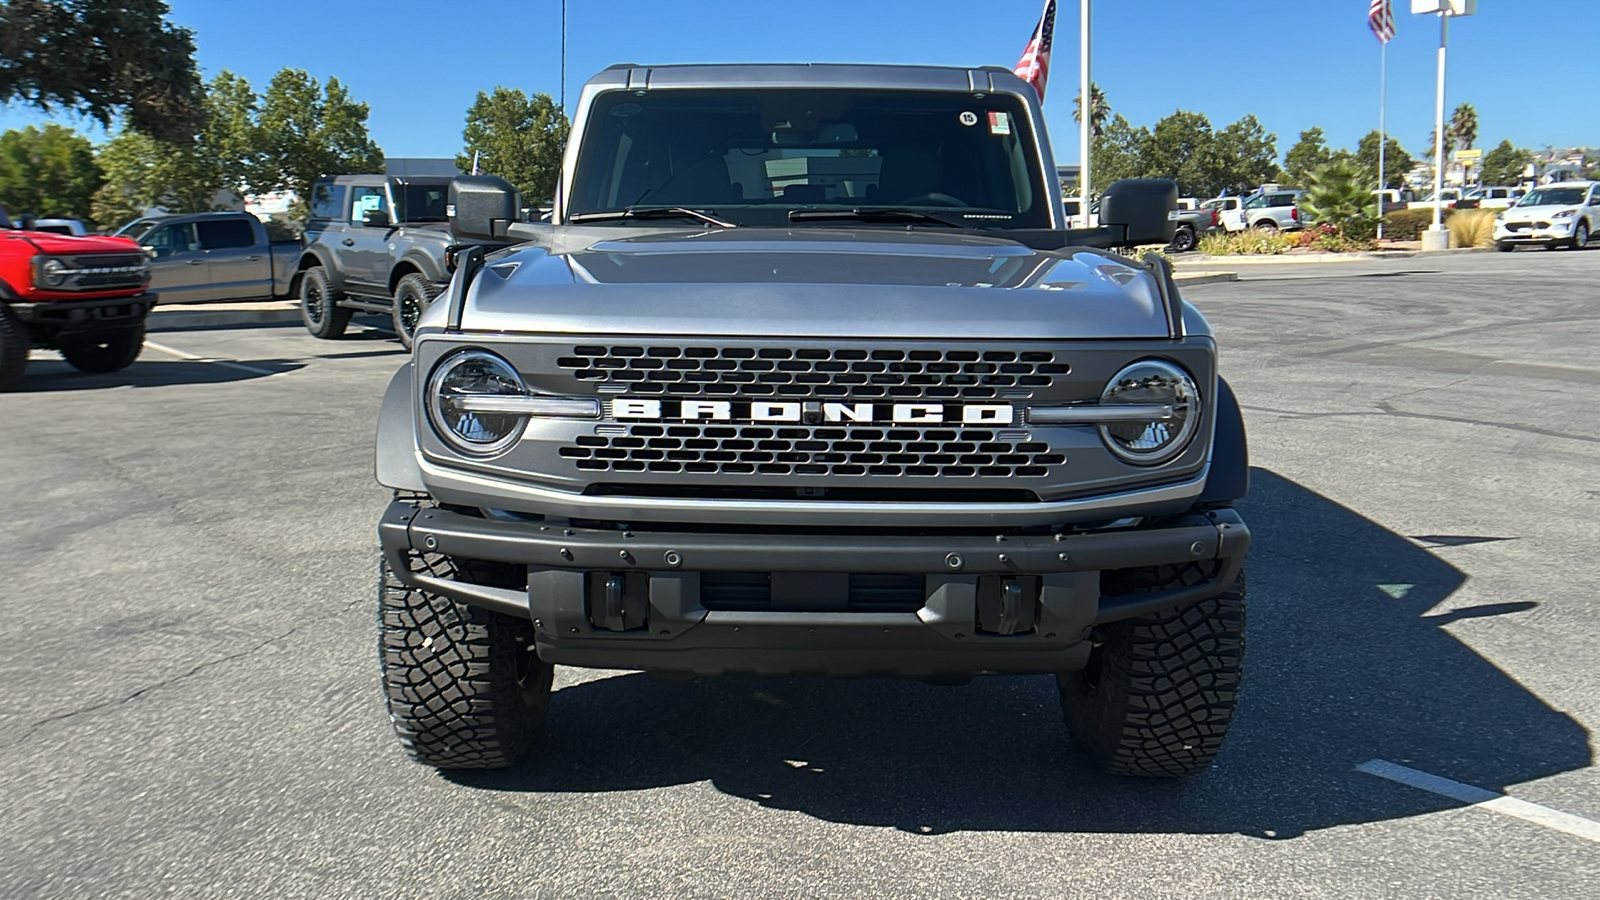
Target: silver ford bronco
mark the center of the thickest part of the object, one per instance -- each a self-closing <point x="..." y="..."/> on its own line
<point x="806" y="374"/>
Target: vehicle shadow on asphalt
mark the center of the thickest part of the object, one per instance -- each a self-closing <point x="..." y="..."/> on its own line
<point x="1344" y="665"/>
<point x="47" y="376"/>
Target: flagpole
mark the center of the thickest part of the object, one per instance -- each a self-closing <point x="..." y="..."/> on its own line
<point x="1086" y="116"/>
<point x="1383" y="133"/>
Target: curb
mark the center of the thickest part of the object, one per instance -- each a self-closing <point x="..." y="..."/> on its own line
<point x="1283" y="259"/>
<point x="1193" y="278"/>
<point x="221" y="315"/>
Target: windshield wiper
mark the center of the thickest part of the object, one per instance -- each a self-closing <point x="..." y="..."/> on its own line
<point x="872" y="214"/>
<point x="647" y="212"/>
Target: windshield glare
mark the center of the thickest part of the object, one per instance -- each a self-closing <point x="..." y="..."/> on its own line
<point x="751" y="156"/>
<point x="137" y="229"/>
<point x="1552" y="197"/>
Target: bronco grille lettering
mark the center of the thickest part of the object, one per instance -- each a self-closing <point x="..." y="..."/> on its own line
<point x="768" y="411"/>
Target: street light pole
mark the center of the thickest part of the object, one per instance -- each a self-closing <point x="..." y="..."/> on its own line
<point x="563" y="57"/>
<point x="1086" y="115"/>
<point x="1438" y="126"/>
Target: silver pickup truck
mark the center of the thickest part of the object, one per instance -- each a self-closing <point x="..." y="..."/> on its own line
<point x="215" y="256"/>
<point x="808" y="375"/>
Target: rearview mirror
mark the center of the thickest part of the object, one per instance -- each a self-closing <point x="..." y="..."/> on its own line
<point x="1142" y="206"/>
<point x="482" y="207"/>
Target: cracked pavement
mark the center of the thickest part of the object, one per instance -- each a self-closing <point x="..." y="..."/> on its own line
<point x="188" y="584"/>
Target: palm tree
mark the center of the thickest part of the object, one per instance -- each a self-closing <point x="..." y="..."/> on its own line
<point x="1337" y="196"/>
<point x="1099" y="109"/>
<point x="1463" y="130"/>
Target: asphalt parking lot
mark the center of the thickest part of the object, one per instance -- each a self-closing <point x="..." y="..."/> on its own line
<point x="192" y="706"/>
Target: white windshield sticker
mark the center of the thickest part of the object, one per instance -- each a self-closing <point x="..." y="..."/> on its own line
<point x="999" y="122"/>
<point x="969" y="118"/>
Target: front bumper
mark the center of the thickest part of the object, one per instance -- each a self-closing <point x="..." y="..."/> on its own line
<point x="55" y="322"/>
<point x="675" y="631"/>
<point x="1553" y="233"/>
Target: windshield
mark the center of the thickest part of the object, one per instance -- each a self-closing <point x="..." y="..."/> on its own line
<point x="137" y="228"/>
<point x="421" y="202"/>
<point x="752" y="156"/>
<point x="1551" y="196"/>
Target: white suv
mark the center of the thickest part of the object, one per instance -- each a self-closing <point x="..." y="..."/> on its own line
<point x="1565" y="214"/>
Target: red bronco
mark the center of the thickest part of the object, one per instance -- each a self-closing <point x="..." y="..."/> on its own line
<point x="84" y="296"/>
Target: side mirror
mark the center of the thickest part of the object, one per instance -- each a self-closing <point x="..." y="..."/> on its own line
<point x="1142" y="206"/>
<point x="375" y="218"/>
<point x="482" y="207"/>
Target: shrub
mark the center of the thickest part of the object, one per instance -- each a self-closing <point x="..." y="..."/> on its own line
<point x="1249" y="242"/>
<point x="1472" y="227"/>
<point x="1407" y="224"/>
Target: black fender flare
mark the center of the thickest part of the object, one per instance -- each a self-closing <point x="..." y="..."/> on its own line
<point x="317" y="255"/>
<point x="396" y="465"/>
<point x="418" y="259"/>
<point x="1229" y="477"/>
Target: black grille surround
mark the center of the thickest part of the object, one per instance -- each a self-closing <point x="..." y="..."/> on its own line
<point x="822" y="373"/>
<point x="103" y="271"/>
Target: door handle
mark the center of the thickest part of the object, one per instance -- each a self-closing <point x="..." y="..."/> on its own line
<point x="349" y="242"/>
<point x="196" y="262"/>
<point x="253" y="258"/>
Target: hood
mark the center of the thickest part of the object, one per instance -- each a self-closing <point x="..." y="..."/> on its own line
<point x="67" y="245"/>
<point x="1529" y="213"/>
<point x="811" y="282"/>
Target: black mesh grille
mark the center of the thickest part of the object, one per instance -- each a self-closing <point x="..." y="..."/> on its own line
<point x="752" y="592"/>
<point x="729" y="449"/>
<point x="108" y="260"/>
<point x="812" y="372"/>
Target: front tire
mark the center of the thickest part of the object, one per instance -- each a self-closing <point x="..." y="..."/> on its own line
<point x="107" y="354"/>
<point x="1580" y="236"/>
<point x="464" y="688"/>
<point x="411" y="297"/>
<point x="1160" y="690"/>
<point x="1267" y="225"/>
<point x="1183" y="241"/>
<point x="1504" y="246"/>
<point x="14" y="346"/>
<point x="319" y="306"/>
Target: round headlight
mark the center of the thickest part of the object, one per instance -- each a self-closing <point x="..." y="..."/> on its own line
<point x="54" y="272"/>
<point x="451" y="388"/>
<point x="1175" y="404"/>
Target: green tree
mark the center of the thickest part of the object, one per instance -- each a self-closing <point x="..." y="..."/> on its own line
<point x="1182" y="147"/>
<point x="101" y="58"/>
<point x="48" y="172"/>
<point x="1118" y="152"/>
<point x="1336" y="195"/>
<point x="1244" y="156"/>
<point x="518" y="137"/>
<point x="1397" y="162"/>
<point x="1099" y="109"/>
<point x="1505" y="164"/>
<point x="306" y="132"/>
<point x="1308" y="154"/>
<point x="1462" y="131"/>
<point x="144" y="172"/>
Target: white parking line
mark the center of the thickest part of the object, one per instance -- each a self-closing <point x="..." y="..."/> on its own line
<point x="1578" y="826"/>
<point x="171" y="351"/>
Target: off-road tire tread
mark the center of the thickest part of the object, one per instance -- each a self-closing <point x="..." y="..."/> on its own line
<point x="419" y="283"/>
<point x="449" y="676"/>
<point x="117" y="354"/>
<point x="335" y="319"/>
<point x="1166" y="690"/>
<point x="14" y="346"/>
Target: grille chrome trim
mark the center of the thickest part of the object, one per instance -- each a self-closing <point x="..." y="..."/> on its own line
<point x="1099" y="414"/>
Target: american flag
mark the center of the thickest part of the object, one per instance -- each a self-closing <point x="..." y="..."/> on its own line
<point x="1381" y="19"/>
<point x="1034" y="67"/>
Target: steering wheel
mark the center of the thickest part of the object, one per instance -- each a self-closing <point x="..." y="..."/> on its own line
<point x="934" y="200"/>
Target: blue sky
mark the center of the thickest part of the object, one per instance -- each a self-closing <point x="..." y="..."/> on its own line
<point x="1294" y="63"/>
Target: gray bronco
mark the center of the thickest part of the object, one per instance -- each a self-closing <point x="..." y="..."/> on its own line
<point x="807" y="375"/>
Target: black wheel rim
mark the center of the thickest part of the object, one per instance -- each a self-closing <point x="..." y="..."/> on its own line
<point x="410" y="310"/>
<point x="313" y="301"/>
